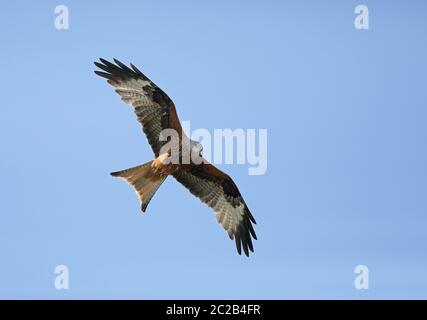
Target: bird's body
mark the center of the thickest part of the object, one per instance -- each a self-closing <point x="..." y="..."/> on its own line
<point x="157" y="114"/>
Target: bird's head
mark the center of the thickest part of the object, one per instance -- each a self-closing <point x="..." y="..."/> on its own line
<point x="196" y="150"/>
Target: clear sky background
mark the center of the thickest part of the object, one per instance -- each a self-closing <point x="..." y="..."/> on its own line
<point x="346" y="117"/>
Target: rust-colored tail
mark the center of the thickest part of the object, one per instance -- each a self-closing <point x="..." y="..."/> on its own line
<point x="144" y="180"/>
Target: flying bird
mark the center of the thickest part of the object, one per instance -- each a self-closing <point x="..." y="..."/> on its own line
<point x="156" y="112"/>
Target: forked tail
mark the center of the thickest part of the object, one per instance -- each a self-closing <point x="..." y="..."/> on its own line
<point x="144" y="180"/>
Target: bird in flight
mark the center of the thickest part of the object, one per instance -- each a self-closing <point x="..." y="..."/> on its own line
<point x="156" y="112"/>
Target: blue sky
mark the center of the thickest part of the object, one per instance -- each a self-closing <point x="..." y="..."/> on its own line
<point x="345" y="112"/>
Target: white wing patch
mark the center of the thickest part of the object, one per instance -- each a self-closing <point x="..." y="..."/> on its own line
<point x="230" y="217"/>
<point x="133" y="92"/>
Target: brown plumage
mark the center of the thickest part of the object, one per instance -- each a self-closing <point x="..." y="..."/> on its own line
<point x="156" y="112"/>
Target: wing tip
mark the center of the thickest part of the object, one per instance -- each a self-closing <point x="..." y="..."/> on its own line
<point x="243" y="238"/>
<point x="144" y="207"/>
<point x="117" y="70"/>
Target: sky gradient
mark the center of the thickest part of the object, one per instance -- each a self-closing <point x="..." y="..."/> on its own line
<point x="346" y="116"/>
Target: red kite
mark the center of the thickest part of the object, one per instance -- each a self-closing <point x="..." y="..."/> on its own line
<point x="156" y="112"/>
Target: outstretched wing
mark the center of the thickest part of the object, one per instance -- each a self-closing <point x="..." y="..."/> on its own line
<point x="153" y="108"/>
<point x="218" y="191"/>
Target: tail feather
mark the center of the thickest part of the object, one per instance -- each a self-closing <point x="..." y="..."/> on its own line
<point x="144" y="181"/>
